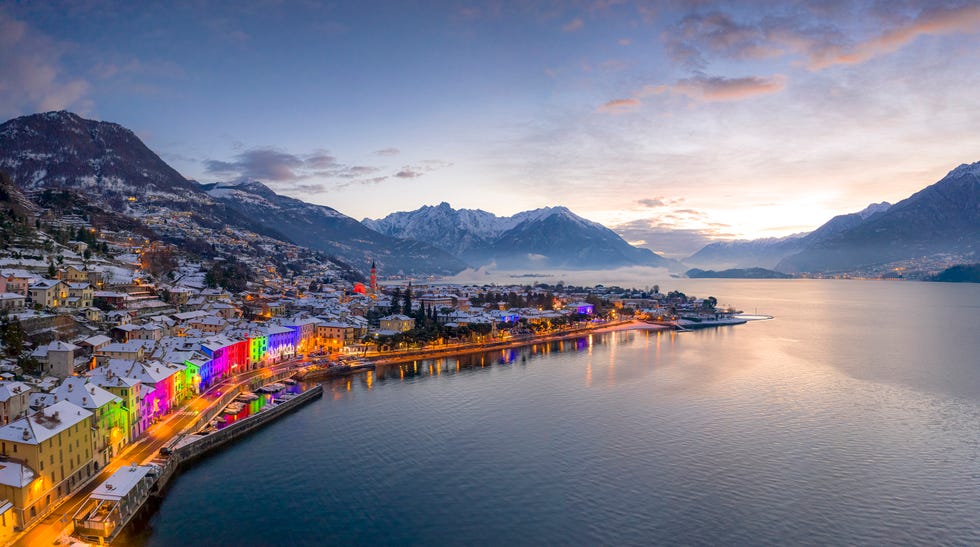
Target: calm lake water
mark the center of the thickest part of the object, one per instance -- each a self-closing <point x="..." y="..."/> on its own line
<point x="851" y="418"/>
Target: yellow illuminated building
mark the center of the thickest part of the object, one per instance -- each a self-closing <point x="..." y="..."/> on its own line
<point x="43" y="458"/>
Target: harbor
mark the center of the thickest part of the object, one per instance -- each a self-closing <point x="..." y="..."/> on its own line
<point x="119" y="499"/>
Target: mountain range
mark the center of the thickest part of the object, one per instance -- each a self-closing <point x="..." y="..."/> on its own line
<point x="546" y="238"/>
<point x="107" y="166"/>
<point x="110" y="171"/>
<point x="768" y="252"/>
<point x="943" y="218"/>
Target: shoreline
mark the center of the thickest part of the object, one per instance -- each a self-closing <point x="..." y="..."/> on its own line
<point x="385" y="360"/>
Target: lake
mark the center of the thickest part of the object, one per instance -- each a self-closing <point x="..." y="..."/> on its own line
<point x="853" y="417"/>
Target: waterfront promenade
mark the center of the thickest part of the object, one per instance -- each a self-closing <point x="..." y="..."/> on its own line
<point x="450" y="350"/>
<point x="57" y="525"/>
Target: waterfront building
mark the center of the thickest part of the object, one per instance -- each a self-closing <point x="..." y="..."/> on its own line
<point x="46" y="456"/>
<point x="159" y="383"/>
<point x="108" y="416"/>
<point x="130" y="391"/>
<point x="114" y="502"/>
<point x="282" y="343"/>
<point x="229" y="356"/>
<point x="306" y="332"/>
<point x="334" y="335"/>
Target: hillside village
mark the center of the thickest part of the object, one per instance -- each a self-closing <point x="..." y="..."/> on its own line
<point x="106" y="332"/>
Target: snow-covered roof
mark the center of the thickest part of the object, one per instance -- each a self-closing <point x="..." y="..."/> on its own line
<point x="83" y="394"/>
<point x="15" y="474"/>
<point x="121" y="482"/>
<point x="97" y="340"/>
<point x="44" y="424"/>
<point x="10" y="389"/>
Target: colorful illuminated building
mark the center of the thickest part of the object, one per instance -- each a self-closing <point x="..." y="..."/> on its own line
<point x="108" y="421"/>
<point x="282" y="342"/>
<point x="130" y="391"/>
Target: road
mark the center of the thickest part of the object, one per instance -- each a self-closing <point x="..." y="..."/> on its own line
<point x="57" y="524"/>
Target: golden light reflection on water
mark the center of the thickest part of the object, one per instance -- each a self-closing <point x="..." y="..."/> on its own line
<point x="600" y="354"/>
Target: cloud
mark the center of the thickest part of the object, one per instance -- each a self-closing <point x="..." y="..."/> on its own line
<point x="618" y="106"/>
<point x="277" y="166"/>
<point x="718" y="32"/>
<point x="573" y="25"/>
<point x="408" y="174"/>
<point x="665" y="238"/>
<point x="321" y="159"/>
<point x="654" y="202"/>
<point x="33" y="76"/>
<point x="357" y="171"/>
<point x="387" y="152"/>
<point x="424" y="166"/>
<point x="266" y="164"/>
<point x="825" y="35"/>
<point x="717" y="88"/>
<point x="933" y="21"/>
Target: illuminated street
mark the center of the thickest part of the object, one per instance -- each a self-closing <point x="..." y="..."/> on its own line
<point x="57" y="524"/>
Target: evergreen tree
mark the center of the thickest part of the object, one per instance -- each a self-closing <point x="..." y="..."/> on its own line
<point x="13" y="336"/>
<point x="407" y="302"/>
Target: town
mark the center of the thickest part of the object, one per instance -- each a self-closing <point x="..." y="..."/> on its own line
<point x="108" y="335"/>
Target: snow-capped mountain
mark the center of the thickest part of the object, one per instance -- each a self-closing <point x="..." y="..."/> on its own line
<point x="107" y="166"/>
<point x="941" y="218"/>
<point x="454" y="230"/>
<point x="768" y="252"/>
<point x="546" y="238"/>
<point x="323" y="228"/>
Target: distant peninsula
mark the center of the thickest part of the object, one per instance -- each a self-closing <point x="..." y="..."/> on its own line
<point x="737" y="273"/>
<point x="961" y="273"/>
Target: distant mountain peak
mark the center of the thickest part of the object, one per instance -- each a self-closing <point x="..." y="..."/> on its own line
<point x="966" y="169"/>
<point x="554" y="235"/>
<point x="873" y="209"/>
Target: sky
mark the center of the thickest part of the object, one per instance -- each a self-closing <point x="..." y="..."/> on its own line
<point x="674" y="123"/>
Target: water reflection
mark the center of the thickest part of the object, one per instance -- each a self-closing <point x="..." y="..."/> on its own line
<point x="475" y="363"/>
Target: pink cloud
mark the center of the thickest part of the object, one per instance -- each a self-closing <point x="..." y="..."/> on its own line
<point x="573" y="25"/>
<point x="619" y="105"/>
<point x="715" y="89"/>
<point x="964" y="19"/>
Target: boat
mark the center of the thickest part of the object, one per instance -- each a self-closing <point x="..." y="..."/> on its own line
<point x="274" y="387"/>
<point x="247" y="397"/>
<point x="289" y="381"/>
<point x="233" y="408"/>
